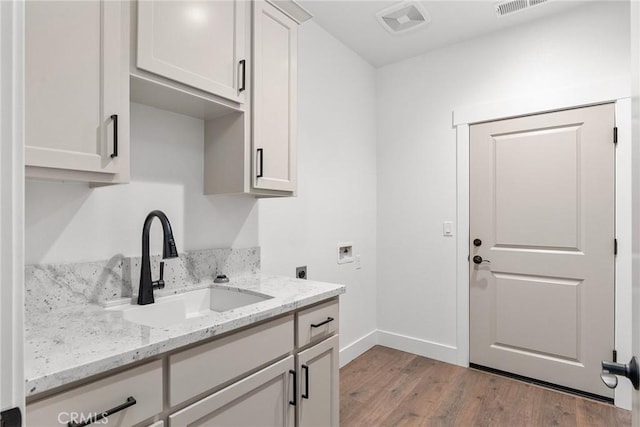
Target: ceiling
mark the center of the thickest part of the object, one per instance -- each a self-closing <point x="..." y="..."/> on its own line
<point x="354" y="23"/>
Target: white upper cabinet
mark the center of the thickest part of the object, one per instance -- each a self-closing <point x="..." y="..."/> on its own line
<point x="254" y="151"/>
<point x="197" y="43"/>
<point x="275" y="45"/>
<point x="77" y="91"/>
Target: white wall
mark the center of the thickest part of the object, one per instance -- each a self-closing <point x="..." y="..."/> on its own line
<point x="336" y="183"/>
<point x="416" y="139"/>
<point x="67" y="222"/>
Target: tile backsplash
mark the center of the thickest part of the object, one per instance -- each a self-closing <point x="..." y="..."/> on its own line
<point x="59" y="285"/>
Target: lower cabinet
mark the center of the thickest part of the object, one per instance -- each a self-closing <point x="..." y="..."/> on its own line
<point x="262" y="399"/>
<point x="258" y="376"/>
<point x="318" y="385"/>
<point x="233" y="356"/>
<point x="128" y="397"/>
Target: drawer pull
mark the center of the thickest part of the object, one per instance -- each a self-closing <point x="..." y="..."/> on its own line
<point x="260" y="152"/>
<point x="243" y="64"/>
<point x="295" y="388"/>
<point x="130" y="402"/>
<point x="317" y="325"/>
<point x="305" y="395"/>
<point x="114" y="117"/>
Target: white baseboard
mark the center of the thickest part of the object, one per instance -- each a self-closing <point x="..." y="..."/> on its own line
<point x="433" y="350"/>
<point x="430" y="349"/>
<point x="359" y="346"/>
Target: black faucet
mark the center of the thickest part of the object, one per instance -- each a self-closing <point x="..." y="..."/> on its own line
<point x="145" y="292"/>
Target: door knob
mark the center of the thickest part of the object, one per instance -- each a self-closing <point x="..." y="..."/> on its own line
<point x="611" y="369"/>
<point x="477" y="242"/>
<point x="478" y="259"/>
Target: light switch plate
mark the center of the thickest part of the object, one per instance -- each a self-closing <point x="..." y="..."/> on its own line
<point x="447" y="228"/>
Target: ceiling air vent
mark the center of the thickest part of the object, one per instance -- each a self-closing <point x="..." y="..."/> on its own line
<point x="403" y="17"/>
<point x="512" y="6"/>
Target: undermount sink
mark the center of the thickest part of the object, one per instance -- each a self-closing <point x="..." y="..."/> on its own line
<point x="177" y="308"/>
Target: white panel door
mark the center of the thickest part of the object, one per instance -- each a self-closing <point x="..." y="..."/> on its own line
<point x="318" y="385"/>
<point x="77" y="100"/>
<point x="197" y="43"/>
<point x="275" y="45"/>
<point x="542" y="208"/>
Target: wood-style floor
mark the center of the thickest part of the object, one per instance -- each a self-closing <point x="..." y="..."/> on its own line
<point x="386" y="387"/>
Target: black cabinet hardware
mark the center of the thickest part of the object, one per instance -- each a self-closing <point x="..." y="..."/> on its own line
<point x="317" y="325"/>
<point x="478" y="259"/>
<point x="305" y="395"/>
<point x="114" y="117"/>
<point x="243" y="65"/>
<point x="260" y="155"/>
<point x="130" y="402"/>
<point x="11" y="418"/>
<point x="295" y="388"/>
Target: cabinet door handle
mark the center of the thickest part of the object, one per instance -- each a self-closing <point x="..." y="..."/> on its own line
<point x="317" y="325"/>
<point x="295" y="388"/>
<point x="114" y="117"/>
<point x="130" y="402"/>
<point x="305" y="395"/>
<point x="260" y="155"/>
<point x="243" y="66"/>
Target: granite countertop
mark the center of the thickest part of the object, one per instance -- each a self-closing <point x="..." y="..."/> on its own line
<point x="72" y="343"/>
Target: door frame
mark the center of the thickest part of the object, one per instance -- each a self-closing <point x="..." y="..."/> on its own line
<point x="616" y="91"/>
<point x="12" y="203"/>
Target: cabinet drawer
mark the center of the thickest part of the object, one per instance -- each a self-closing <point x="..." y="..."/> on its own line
<point x="261" y="399"/>
<point x="144" y="384"/>
<point x="202" y="368"/>
<point x="317" y="322"/>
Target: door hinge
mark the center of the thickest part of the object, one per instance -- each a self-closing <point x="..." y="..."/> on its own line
<point x="615" y="135"/>
<point x="615" y="246"/>
<point x="615" y="356"/>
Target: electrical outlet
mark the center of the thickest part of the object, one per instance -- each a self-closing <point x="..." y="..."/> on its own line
<point x="358" y="262"/>
<point x="301" y="272"/>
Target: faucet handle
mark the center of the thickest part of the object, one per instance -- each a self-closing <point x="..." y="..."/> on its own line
<point x="159" y="284"/>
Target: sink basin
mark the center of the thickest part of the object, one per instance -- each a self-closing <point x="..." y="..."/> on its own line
<point x="174" y="309"/>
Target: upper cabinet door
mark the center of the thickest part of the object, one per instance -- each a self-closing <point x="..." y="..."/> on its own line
<point x="197" y="43"/>
<point x="275" y="44"/>
<point x="77" y="91"/>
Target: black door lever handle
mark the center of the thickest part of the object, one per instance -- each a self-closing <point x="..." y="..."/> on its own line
<point x="630" y="371"/>
<point x="478" y="260"/>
